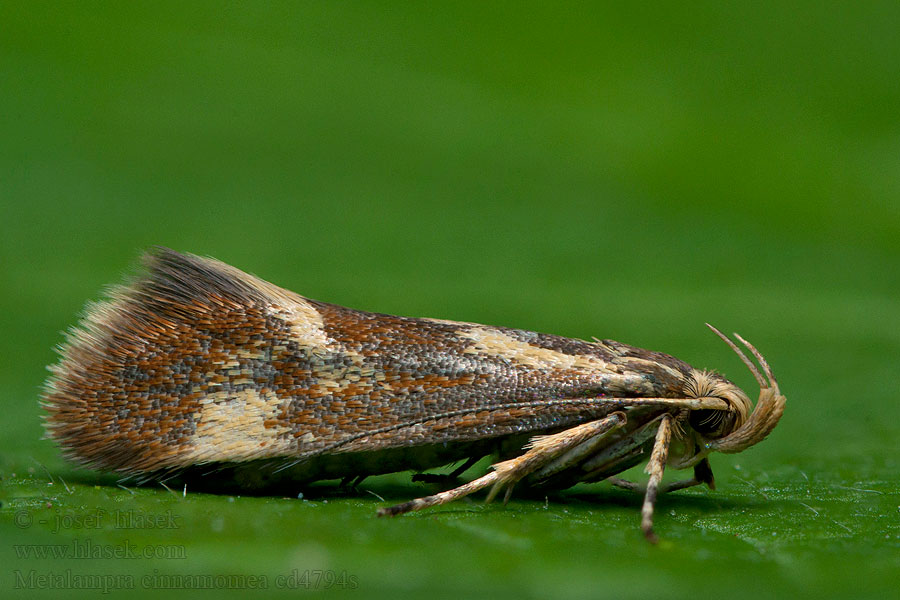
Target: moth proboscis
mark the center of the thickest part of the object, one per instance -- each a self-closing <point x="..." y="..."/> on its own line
<point x="194" y="368"/>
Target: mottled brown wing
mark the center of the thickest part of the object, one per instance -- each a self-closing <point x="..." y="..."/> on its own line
<point x="195" y="361"/>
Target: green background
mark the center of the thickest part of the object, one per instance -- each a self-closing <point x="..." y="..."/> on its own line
<point x="628" y="173"/>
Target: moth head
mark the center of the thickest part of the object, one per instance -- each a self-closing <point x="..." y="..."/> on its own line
<point x="733" y="428"/>
<point x="715" y="424"/>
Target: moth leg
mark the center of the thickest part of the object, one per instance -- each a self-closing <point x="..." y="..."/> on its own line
<point x="631" y="486"/>
<point x="679" y="485"/>
<point x="702" y="474"/>
<point x="441" y="498"/>
<point x="542" y="450"/>
<point x="640" y="488"/>
<point x="451" y="477"/>
<point x="656" y="467"/>
<point x="545" y="449"/>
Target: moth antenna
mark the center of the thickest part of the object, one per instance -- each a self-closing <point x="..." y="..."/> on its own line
<point x="760" y="358"/>
<point x="759" y="378"/>
<point x="769" y="407"/>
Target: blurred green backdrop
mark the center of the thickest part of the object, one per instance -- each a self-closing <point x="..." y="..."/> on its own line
<point x="577" y="169"/>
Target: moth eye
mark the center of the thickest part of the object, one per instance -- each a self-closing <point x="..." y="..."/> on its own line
<point x="711" y="423"/>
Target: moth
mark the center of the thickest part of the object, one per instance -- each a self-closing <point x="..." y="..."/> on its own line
<point x="196" y="365"/>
